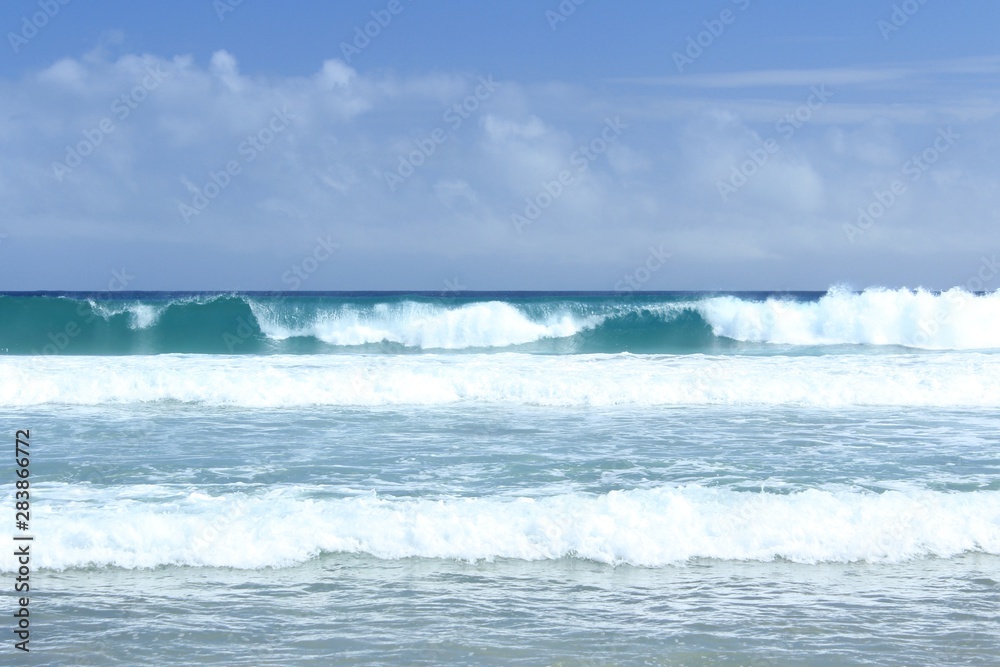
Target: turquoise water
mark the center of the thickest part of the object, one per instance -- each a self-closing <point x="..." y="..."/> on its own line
<point x="731" y="480"/>
<point x="558" y="323"/>
<point x="266" y="323"/>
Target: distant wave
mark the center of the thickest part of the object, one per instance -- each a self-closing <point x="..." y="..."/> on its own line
<point x="146" y="527"/>
<point x="956" y="379"/>
<point x="418" y="325"/>
<point x="876" y="318"/>
<point x="952" y="320"/>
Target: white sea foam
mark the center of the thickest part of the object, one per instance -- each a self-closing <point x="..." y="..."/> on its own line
<point x="140" y="315"/>
<point x="952" y="320"/>
<point x="955" y="379"/>
<point x="473" y="325"/>
<point x="142" y="527"/>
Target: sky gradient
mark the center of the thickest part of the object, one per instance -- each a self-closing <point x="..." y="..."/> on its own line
<point x="411" y="144"/>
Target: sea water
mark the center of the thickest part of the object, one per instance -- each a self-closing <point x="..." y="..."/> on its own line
<point x="537" y="479"/>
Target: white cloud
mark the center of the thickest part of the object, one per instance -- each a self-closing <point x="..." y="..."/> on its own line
<point x="224" y="67"/>
<point x="311" y="154"/>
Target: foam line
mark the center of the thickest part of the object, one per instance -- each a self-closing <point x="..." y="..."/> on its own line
<point x="957" y="379"/>
<point x="144" y="527"/>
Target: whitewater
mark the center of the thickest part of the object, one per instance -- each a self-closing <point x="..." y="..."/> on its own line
<point x="577" y="474"/>
<point x="133" y="527"/>
<point x="959" y="379"/>
<point x="262" y="323"/>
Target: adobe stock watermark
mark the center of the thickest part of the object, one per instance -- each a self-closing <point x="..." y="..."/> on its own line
<point x="786" y="127"/>
<point x="640" y="275"/>
<point x="714" y="28"/>
<point x="454" y="116"/>
<point x="580" y="161"/>
<point x="247" y="151"/>
<point x="900" y="16"/>
<point x="453" y="287"/>
<point x="244" y="332"/>
<point x="122" y="107"/>
<point x="220" y="523"/>
<point x="60" y="339"/>
<point x="31" y="25"/>
<point x="912" y="169"/>
<point x="363" y="35"/>
<point x="988" y="269"/>
<point x="223" y="7"/>
<point x="562" y="13"/>
<point x="300" y="272"/>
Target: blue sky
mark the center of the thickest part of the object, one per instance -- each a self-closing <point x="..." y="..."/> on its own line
<point x="734" y="144"/>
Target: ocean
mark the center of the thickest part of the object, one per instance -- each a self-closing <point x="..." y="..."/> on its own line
<point x="755" y="479"/>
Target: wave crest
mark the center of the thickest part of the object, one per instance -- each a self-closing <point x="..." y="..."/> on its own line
<point x="952" y="320"/>
<point x="474" y="325"/>
<point x="666" y="324"/>
<point x="646" y="527"/>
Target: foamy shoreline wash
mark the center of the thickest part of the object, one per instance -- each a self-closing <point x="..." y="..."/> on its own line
<point x="144" y="528"/>
<point x="150" y="323"/>
<point x="956" y="379"/>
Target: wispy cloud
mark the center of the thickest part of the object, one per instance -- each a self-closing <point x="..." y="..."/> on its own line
<point x="323" y="173"/>
<point x="833" y="76"/>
